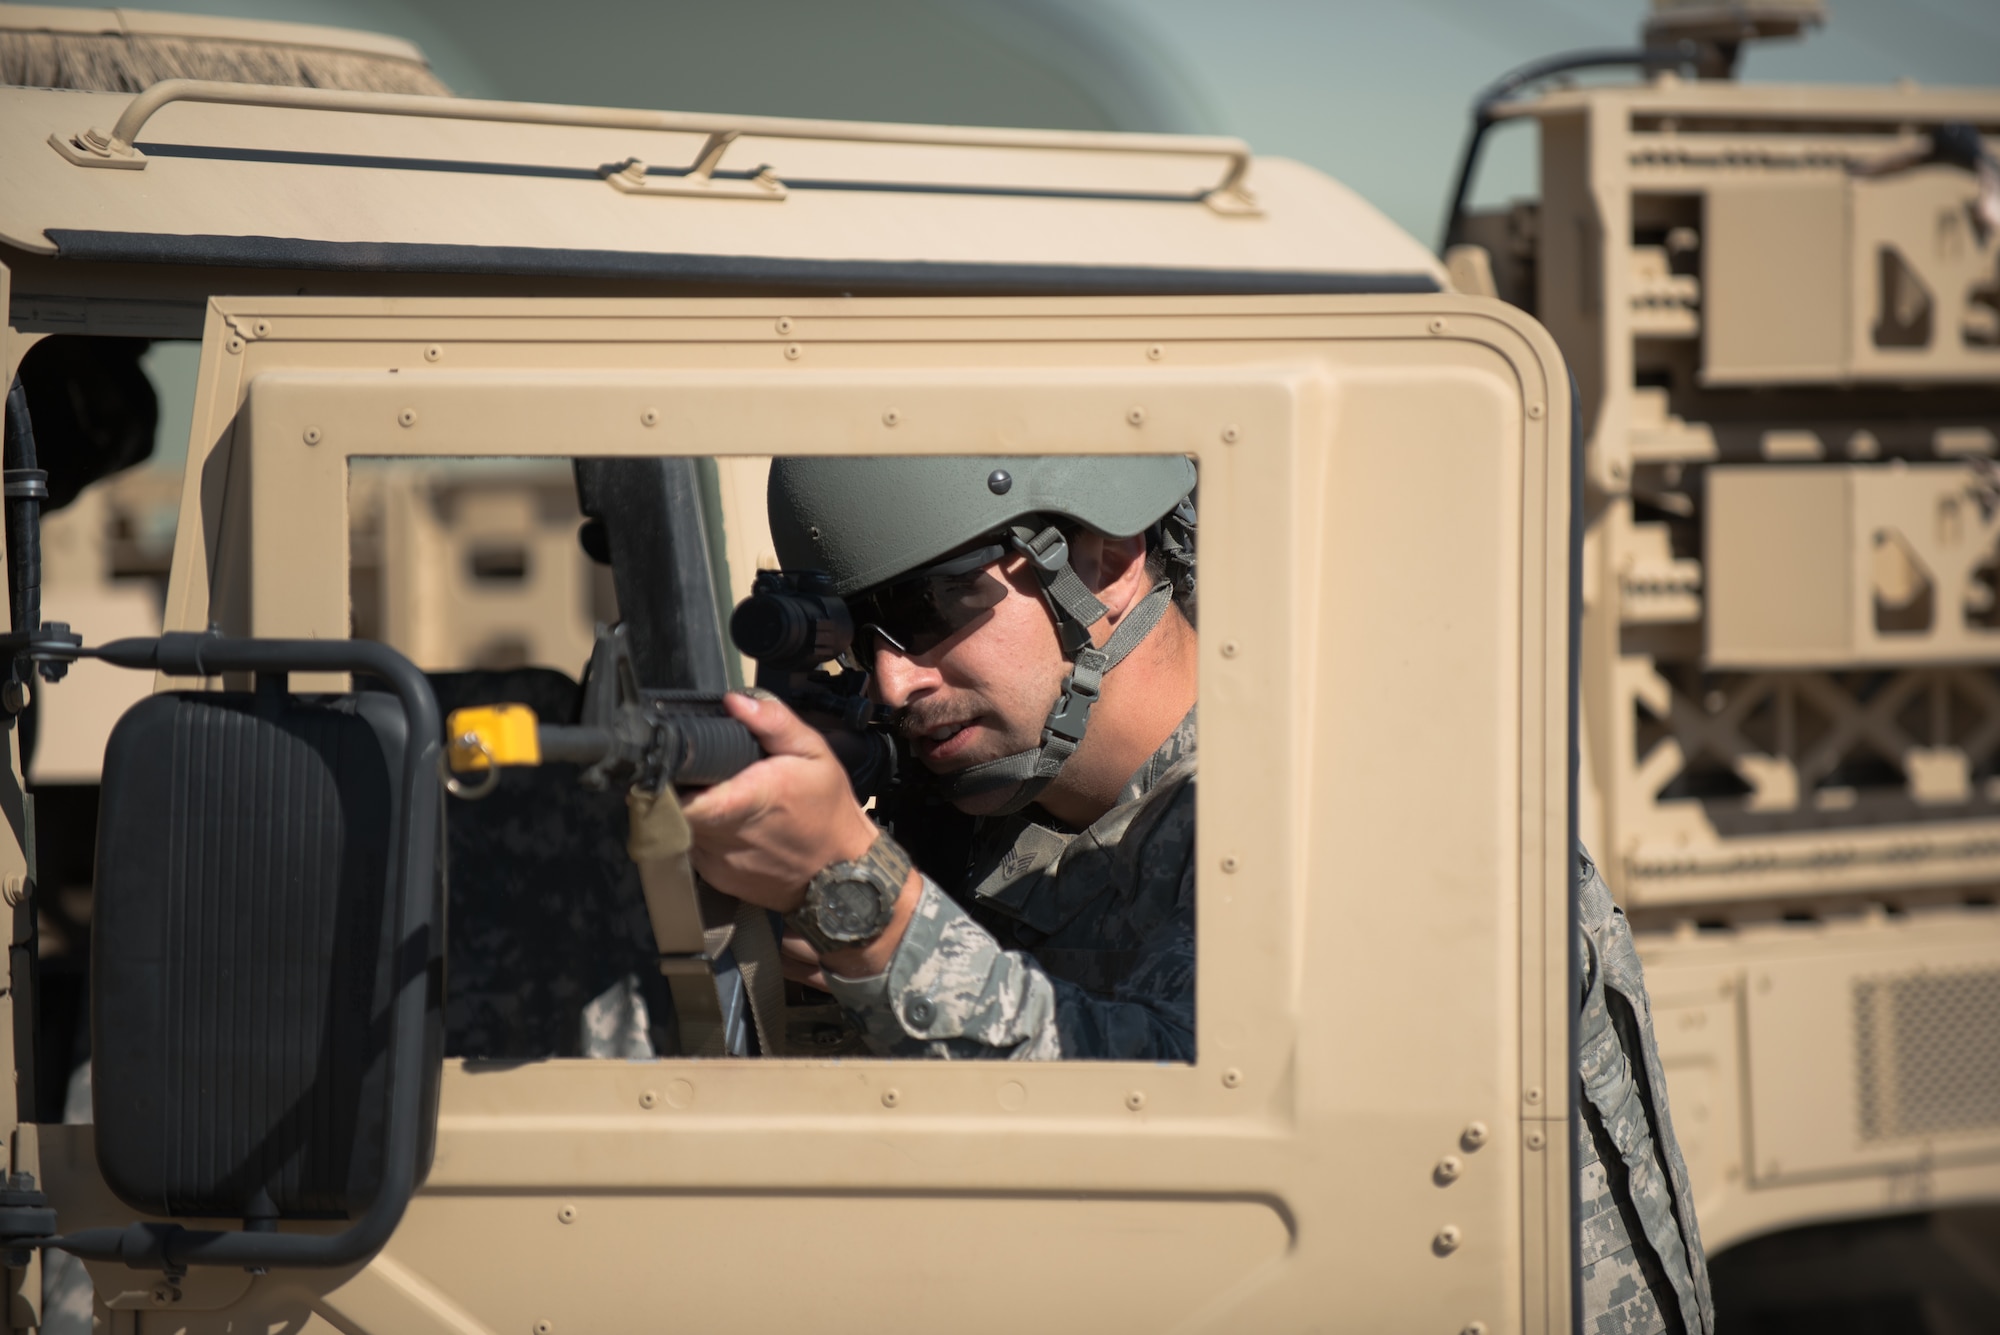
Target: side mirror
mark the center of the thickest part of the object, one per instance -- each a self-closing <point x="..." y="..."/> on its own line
<point x="267" y="955"/>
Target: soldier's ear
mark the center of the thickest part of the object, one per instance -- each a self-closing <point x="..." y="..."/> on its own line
<point x="1115" y="568"/>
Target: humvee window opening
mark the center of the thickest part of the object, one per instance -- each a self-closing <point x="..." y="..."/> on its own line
<point x="644" y="712"/>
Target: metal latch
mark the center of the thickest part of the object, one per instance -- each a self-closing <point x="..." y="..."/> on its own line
<point x="631" y="176"/>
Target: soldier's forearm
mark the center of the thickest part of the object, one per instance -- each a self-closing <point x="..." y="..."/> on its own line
<point x="949" y="990"/>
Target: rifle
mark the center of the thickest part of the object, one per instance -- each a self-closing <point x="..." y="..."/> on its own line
<point x="633" y="736"/>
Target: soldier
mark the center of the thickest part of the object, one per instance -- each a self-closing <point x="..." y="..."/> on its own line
<point x="1005" y="607"/>
<point x="993" y="599"/>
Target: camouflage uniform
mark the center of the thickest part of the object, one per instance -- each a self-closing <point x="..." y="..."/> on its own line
<point x="1641" y="1262"/>
<point x="1060" y="943"/>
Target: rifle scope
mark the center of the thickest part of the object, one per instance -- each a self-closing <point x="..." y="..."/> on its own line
<point x="791" y="621"/>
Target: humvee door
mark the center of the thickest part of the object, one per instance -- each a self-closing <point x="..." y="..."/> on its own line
<point x="1374" y="1133"/>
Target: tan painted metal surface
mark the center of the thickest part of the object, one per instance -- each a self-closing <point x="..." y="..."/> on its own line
<point x="1032" y="196"/>
<point x="1383" y="913"/>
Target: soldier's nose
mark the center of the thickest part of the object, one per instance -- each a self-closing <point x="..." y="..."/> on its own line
<point x="897" y="676"/>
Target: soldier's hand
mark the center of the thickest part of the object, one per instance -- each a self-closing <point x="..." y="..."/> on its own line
<point x="764" y="833"/>
<point x="800" y="962"/>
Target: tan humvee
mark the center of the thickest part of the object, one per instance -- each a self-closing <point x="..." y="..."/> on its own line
<point x="1376" y="1132"/>
<point x="1782" y="308"/>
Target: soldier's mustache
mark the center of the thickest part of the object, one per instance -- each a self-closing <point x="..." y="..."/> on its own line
<point x="913" y="721"/>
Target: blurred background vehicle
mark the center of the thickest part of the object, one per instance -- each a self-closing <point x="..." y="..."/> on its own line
<point x="1781" y="305"/>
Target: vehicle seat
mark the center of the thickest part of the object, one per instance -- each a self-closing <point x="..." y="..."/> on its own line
<point x="544" y="915"/>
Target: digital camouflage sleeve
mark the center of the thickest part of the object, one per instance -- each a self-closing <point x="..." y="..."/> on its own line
<point x="1643" y="1270"/>
<point x="1060" y="943"/>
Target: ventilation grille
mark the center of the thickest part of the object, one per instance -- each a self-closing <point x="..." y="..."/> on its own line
<point x="1928" y="1053"/>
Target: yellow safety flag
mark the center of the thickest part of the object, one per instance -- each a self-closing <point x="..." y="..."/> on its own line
<point x="488" y="735"/>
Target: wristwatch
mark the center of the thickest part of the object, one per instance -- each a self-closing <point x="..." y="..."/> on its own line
<point x="849" y="904"/>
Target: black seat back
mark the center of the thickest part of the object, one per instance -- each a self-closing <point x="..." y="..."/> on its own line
<point x="546" y="913"/>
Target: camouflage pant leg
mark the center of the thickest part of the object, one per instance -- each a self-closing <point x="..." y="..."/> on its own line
<point x="1635" y="1202"/>
<point x="1618" y="1298"/>
<point x="616" y="1024"/>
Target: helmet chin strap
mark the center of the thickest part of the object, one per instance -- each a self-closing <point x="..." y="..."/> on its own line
<point x="1075" y="610"/>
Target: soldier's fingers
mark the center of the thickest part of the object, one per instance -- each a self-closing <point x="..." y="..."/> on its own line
<point x="777" y="729"/>
<point x="743" y="876"/>
<point x="733" y="802"/>
<point x="801" y="961"/>
<point x="803" y="971"/>
<point x="709" y="867"/>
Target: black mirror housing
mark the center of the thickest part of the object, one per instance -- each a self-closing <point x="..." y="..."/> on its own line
<point x="245" y="955"/>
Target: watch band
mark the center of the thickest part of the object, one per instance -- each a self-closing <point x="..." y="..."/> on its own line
<point x="883" y="868"/>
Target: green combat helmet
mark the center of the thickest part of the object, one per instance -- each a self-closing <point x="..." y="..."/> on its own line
<point x="870" y="522"/>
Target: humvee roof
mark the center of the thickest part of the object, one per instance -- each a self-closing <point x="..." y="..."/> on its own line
<point x="850" y="208"/>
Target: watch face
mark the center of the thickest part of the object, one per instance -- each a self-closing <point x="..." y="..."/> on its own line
<point x="849" y="910"/>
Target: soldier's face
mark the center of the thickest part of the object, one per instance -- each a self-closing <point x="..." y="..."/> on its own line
<point x="984" y="691"/>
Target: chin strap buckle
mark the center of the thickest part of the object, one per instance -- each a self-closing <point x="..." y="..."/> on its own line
<point x="1047" y="550"/>
<point x="1076" y="608"/>
<point x="1071" y="715"/>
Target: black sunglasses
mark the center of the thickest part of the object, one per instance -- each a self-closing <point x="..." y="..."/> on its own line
<point x="917" y="613"/>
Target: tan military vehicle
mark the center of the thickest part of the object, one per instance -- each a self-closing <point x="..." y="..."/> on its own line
<point x="1375" y="1132"/>
<point x="437" y="337"/>
<point x="1782" y="309"/>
